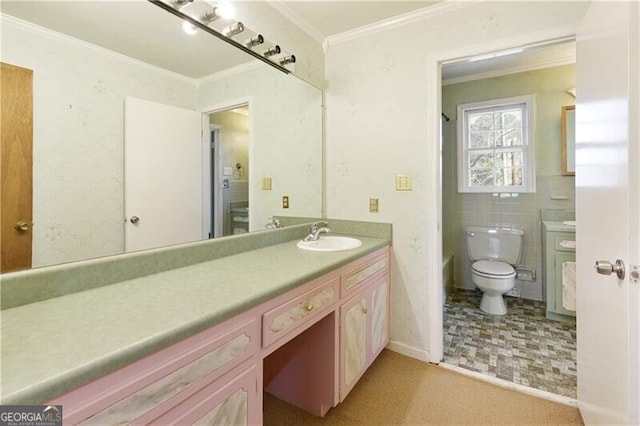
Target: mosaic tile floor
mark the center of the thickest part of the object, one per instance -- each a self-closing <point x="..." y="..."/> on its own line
<point x="522" y="346"/>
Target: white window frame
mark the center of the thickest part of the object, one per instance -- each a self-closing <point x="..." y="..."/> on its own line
<point x="528" y="149"/>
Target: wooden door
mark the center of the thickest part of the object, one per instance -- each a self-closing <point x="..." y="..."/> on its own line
<point x="16" y="161"/>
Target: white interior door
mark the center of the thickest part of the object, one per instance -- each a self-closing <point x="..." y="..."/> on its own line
<point x="607" y="189"/>
<point x="162" y="175"/>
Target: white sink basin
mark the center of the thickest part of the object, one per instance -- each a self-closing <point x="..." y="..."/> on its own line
<point x="330" y="243"/>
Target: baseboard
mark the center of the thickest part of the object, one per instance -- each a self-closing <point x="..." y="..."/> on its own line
<point x="410" y="351"/>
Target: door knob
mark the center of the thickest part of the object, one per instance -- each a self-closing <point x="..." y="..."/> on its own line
<point x="605" y="267"/>
<point x="134" y="219"/>
<point x="21" y="226"/>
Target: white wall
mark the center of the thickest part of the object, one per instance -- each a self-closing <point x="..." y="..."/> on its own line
<point x="377" y="104"/>
<point x="79" y="93"/>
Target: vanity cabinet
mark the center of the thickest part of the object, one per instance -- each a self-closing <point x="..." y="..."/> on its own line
<point x="153" y="386"/>
<point x="308" y="346"/>
<point x="364" y="321"/>
<point x="558" y="247"/>
<point x="231" y="400"/>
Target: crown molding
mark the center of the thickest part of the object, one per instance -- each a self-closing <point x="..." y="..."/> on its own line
<point x="229" y="72"/>
<point x="46" y="32"/>
<point x="297" y="20"/>
<point x="446" y="6"/>
<point x="512" y="70"/>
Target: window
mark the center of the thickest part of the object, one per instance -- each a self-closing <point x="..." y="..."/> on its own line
<point x="495" y="146"/>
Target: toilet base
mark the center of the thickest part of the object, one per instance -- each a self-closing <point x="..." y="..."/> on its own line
<point x="493" y="304"/>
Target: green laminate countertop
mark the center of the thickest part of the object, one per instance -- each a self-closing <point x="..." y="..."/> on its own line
<point x="558" y="226"/>
<point x="56" y="345"/>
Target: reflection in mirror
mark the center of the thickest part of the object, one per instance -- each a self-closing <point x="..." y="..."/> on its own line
<point x="568" y="140"/>
<point x="86" y="66"/>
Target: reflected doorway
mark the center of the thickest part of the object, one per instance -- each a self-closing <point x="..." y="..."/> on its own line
<point x="228" y="180"/>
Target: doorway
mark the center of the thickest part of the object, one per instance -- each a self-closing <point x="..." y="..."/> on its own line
<point x="461" y="308"/>
<point x="226" y="157"/>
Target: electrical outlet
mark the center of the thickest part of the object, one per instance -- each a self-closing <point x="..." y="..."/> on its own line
<point x="373" y="205"/>
<point x="285" y="201"/>
<point x="403" y="182"/>
<point x="266" y="183"/>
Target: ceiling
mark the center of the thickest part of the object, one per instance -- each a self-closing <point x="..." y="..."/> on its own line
<point x="158" y="39"/>
<point x="322" y="19"/>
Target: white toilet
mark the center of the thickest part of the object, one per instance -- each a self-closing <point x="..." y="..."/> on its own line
<point x="494" y="251"/>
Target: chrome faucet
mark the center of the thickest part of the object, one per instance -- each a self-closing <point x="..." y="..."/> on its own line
<point x="315" y="230"/>
<point x="275" y="223"/>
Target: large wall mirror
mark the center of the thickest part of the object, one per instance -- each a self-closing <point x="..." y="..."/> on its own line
<point x="100" y="70"/>
<point x="568" y="140"/>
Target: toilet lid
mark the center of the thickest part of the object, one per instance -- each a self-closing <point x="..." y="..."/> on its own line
<point x="495" y="268"/>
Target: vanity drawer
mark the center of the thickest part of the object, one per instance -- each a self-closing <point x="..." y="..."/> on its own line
<point x="565" y="242"/>
<point x="137" y="389"/>
<point x="278" y="321"/>
<point x="361" y="272"/>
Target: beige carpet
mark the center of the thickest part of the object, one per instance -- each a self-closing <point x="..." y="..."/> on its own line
<point x="397" y="390"/>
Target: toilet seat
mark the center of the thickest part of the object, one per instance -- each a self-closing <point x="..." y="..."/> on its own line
<point x="493" y="269"/>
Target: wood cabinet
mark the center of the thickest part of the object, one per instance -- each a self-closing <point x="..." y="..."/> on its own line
<point x="558" y="248"/>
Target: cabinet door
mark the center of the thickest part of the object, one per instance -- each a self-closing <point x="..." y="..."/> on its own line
<point x="559" y="260"/>
<point x="231" y="400"/>
<point x="353" y="343"/>
<point x="378" y="318"/>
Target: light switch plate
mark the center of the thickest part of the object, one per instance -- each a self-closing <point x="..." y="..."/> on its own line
<point x="285" y="201"/>
<point x="403" y="182"/>
<point x="373" y="205"/>
<point x="266" y="183"/>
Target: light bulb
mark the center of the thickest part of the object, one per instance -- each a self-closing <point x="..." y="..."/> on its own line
<point x="189" y="28"/>
<point x="233" y="29"/>
<point x="225" y="10"/>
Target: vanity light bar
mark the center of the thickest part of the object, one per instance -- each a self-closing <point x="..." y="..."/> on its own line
<point x="173" y="8"/>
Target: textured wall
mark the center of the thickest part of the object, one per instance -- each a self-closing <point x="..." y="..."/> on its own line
<point x="285" y="116"/>
<point x="376" y="127"/>
<point x="462" y="210"/>
<point x="78" y="112"/>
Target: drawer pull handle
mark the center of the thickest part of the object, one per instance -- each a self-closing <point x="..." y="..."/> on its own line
<point x="309" y="307"/>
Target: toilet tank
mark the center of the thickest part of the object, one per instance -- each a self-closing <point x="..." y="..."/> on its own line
<point x="501" y="244"/>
